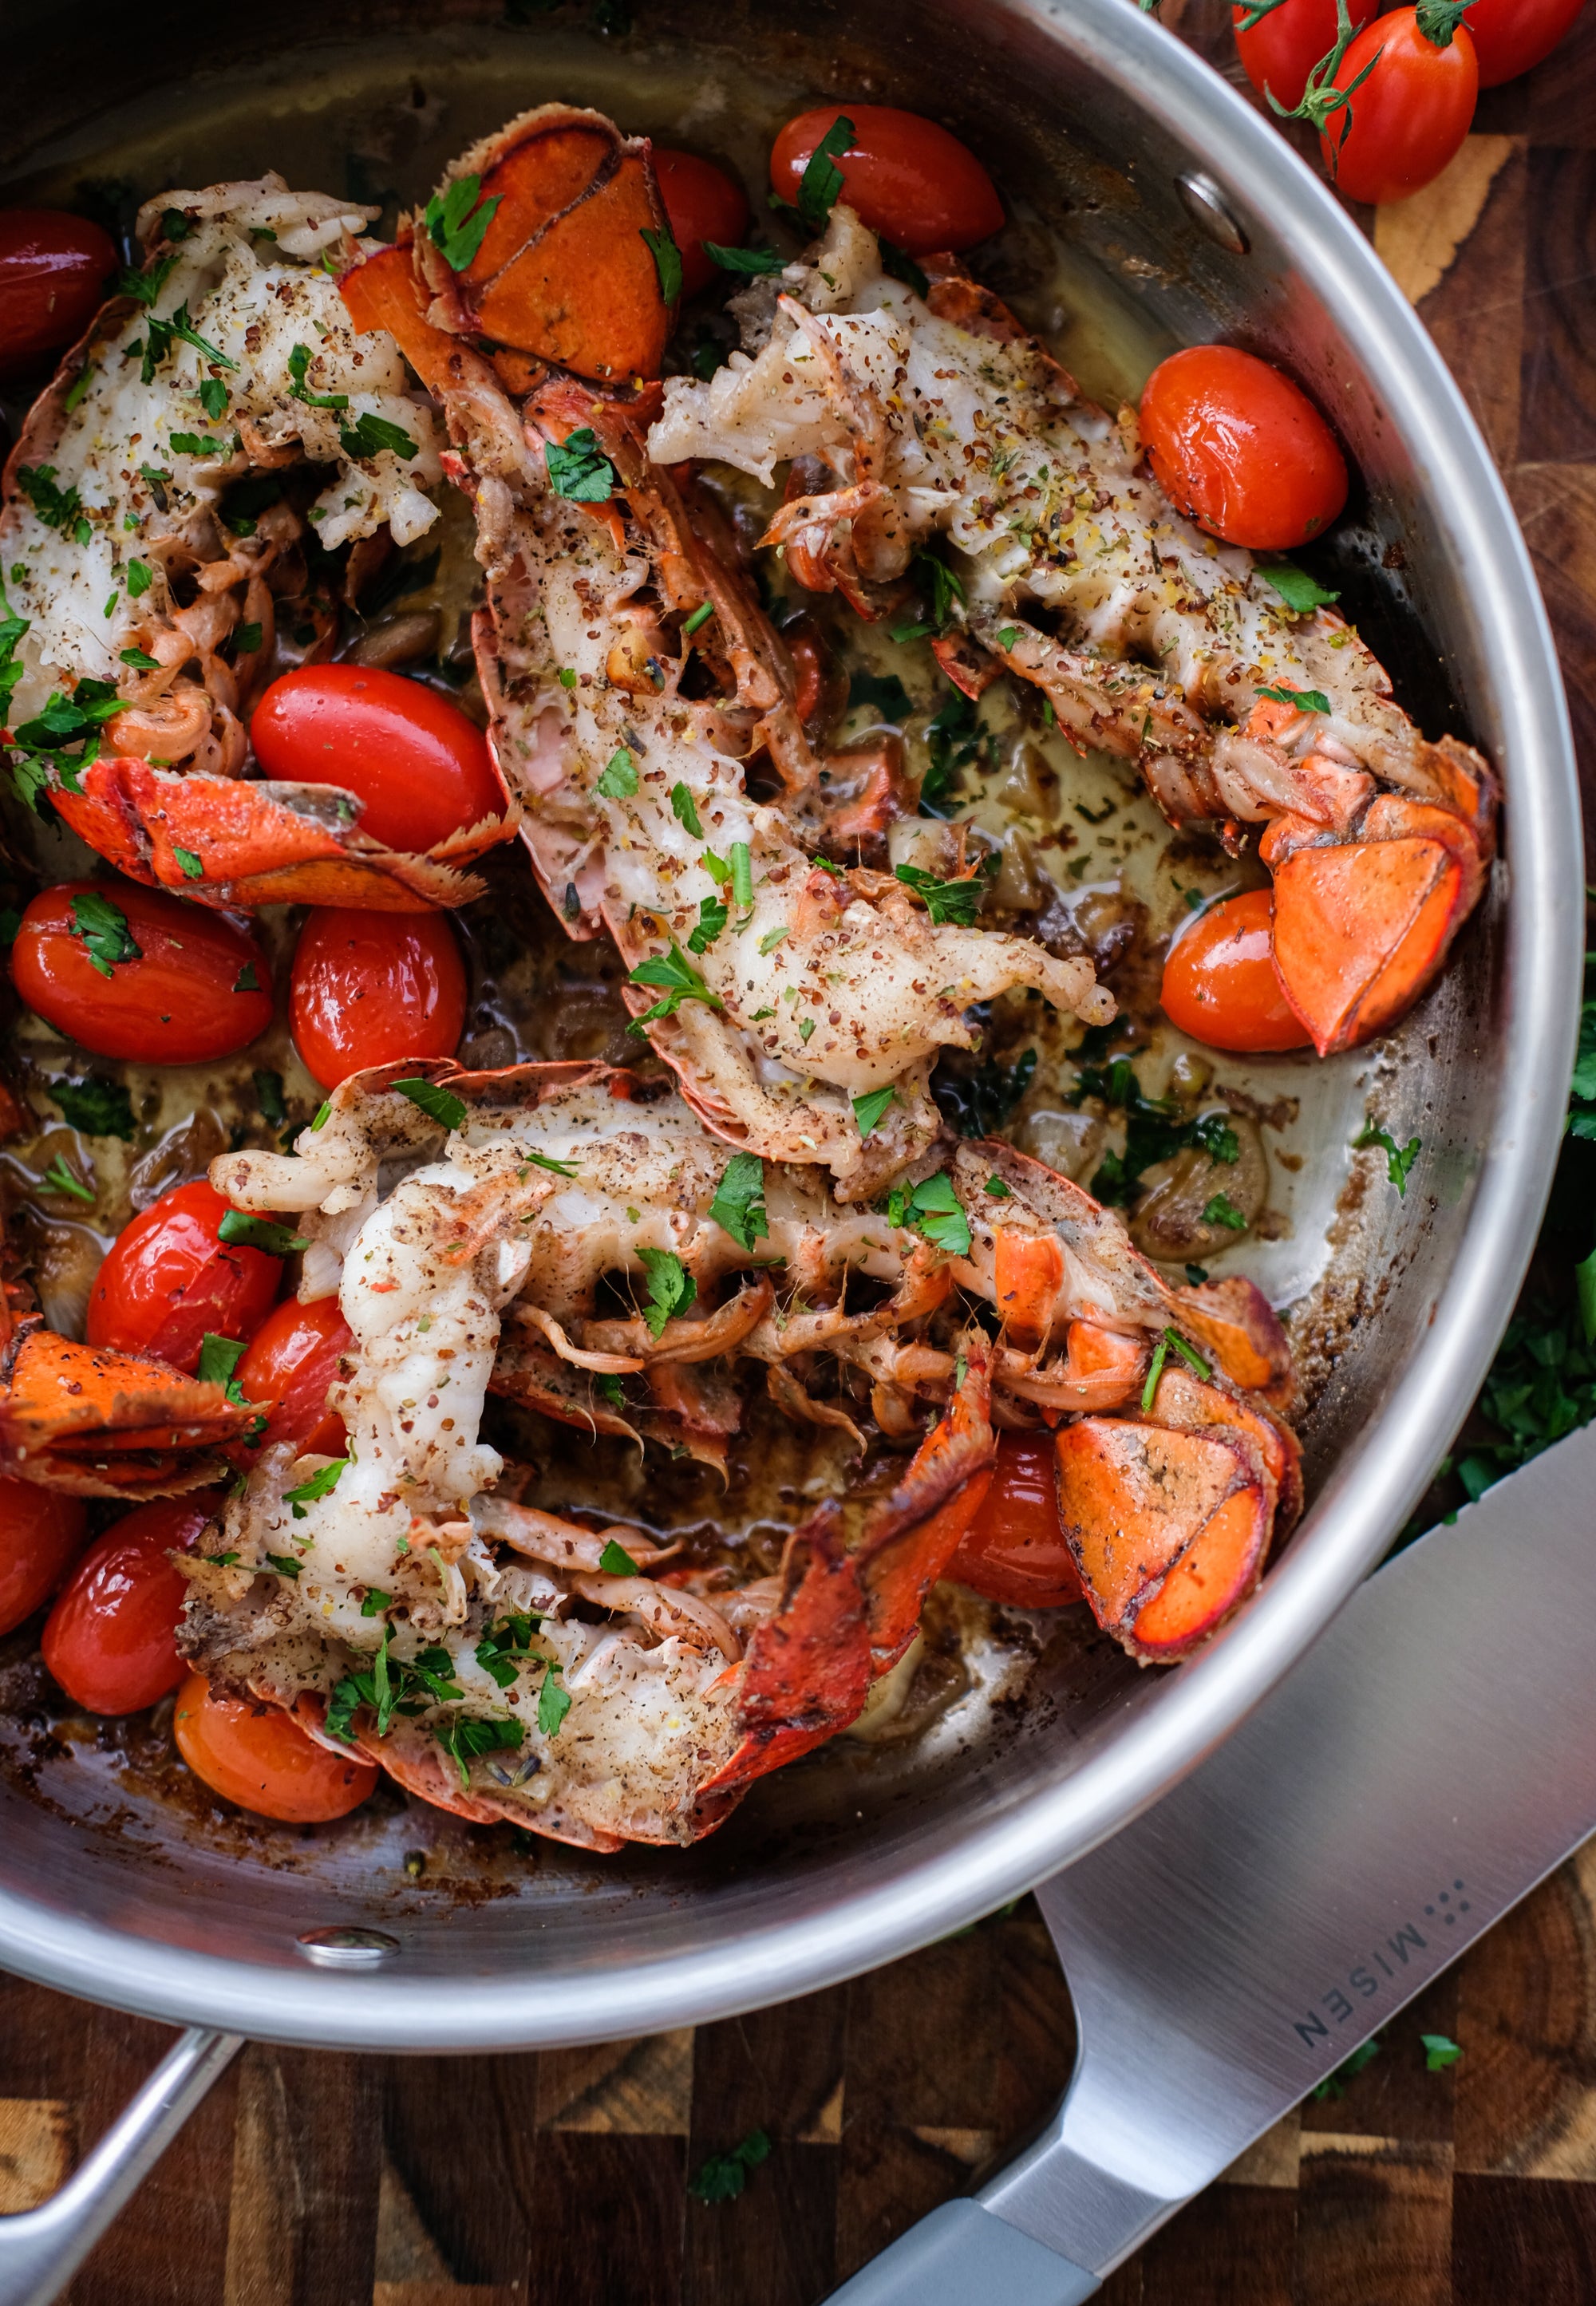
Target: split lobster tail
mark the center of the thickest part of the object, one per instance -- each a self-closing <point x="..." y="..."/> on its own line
<point x="108" y="1424"/>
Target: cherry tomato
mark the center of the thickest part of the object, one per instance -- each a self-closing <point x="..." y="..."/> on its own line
<point x="257" y="1757"/>
<point x="420" y="769"/>
<point x="1512" y="36"/>
<point x="1240" y="448"/>
<point x="905" y="178"/>
<point x="702" y="204"/>
<point x="1282" y="49"/>
<point x="170" y="1278"/>
<point x="368" y="987"/>
<point x="1410" y="115"/>
<point x="1219" y="980"/>
<point x="111" y="1640"/>
<point x="54" y="274"/>
<point x="131" y="972"/>
<point x="292" y="1360"/>
<point x="1014" y="1549"/>
<point x="41" y="1535"/>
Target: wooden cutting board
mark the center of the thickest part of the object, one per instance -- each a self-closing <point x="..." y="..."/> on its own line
<point x="563" y="2180"/>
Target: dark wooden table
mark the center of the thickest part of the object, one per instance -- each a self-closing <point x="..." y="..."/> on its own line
<point x="562" y="2180"/>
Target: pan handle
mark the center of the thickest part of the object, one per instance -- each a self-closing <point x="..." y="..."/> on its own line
<point x="41" y="2249"/>
<point x="961" y="2255"/>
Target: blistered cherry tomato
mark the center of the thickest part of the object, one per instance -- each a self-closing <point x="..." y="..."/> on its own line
<point x="111" y="1640"/>
<point x="420" y="769"/>
<point x="1219" y="981"/>
<point x="1282" y="49"/>
<point x="170" y="1278"/>
<point x="702" y="204"/>
<point x="55" y="271"/>
<point x="131" y="972"/>
<point x="1512" y="36"/>
<point x="257" y="1757"/>
<point x="1240" y="448"/>
<point x="41" y="1535"/>
<point x="904" y="177"/>
<point x="1410" y="115"/>
<point x="1014" y="1549"/>
<point x="292" y="1360"/>
<point x="368" y="987"/>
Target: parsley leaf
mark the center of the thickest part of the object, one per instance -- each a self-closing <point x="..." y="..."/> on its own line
<point x="933" y="1210"/>
<point x="945" y="900"/>
<point x="1217" y="1139"/>
<point x="505" y="1648"/>
<point x="722" y="2178"/>
<point x="103" y="927"/>
<point x="194" y="869"/>
<point x="739" y="1206"/>
<point x="822" y="180"/>
<point x="868" y="1109"/>
<point x="547" y="1161"/>
<point x="1439" y="2053"/>
<point x="662" y="246"/>
<point x="100" y="1108"/>
<point x="1306" y="700"/>
<point x="370" y="435"/>
<point x="212" y="397"/>
<point x="145" y="286"/>
<point x="676" y="973"/>
<point x="618" y="778"/>
<point x="464" y="1736"/>
<point x="1335" y="2085"/>
<point x="1221" y="1210"/>
<point x="139" y="659"/>
<point x="56" y="507"/>
<point x="198" y="444"/>
<point x="746" y="261"/>
<point x="685" y="809"/>
<point x="438" y="1103"/>
<point x="1296" y="587"/>
<point x="615" y="1561"/>
<point x="998" y="1190"/>
<point x="299" y="362"/>
<point x="671" y="1288"/>
<point x="578" y="468"/>
<point x="247" y="1232"/>
<point x="286" y="1565"/>
<point x="455" y="224"/>
<point x="955" y="738"/>
<point x="218" y="1358"/>
<point x="554" y="1703"/>
<point x="713" y="917"/>
<point x="1399" y="1158"/>
<point x="320" y="1484"/>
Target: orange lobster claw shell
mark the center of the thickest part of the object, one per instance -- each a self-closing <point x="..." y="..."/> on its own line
<point x="108" y="1424"/>
<point x="563" y="272"/>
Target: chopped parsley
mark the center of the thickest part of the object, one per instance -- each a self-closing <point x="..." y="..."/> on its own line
<point x="1306" y="700"/>
<point x="320" y="1484"/>
<point x="747" y="260"/>
<point x="100" y="1108"/>
<point x="299" y="362"/>
<point x="1439" y="2053"/>
<point x="286" y="1565"/>
<point x="547" y="1161"/>
<point x="981" y="1101"/>
<point x="671" y="1288"/>
<point x="139" y="659"/>
<point x="141" y="577"/>
<point x="722" y="2178"/>
<point x="1153" y="1133"/>
<point x="57" y="508"/>
<point x="369" y="436"/>
<point x="685" y="808"/>
<point x="1335" y="2085"/>
<point x="578" y="468"/>
<point x="739" y="1206"/>
<point x="1221" y="1210"/>
<point x="822" y="179"/>
<point x="554" y="1702"/>
<point x="440" y="1104"/>
<point x="618" y="778"/>
<point x="247" y="1232"/>
<point x="505" y="1648"/>
<point x="456" y="223"/>
<point x="713" y="918"/>
<point x="662" y="246"/>
<point x="198" y="444"/>
<point x="1399" y="1158"/>
<point x="868" y="1109"/>
<point x="212" y="398"/>
<point x="108" y="939"/>
<point x="903" y="268"/>
<point x="218" y="1359"/>
<point x="268" y="1097"/>
<point x="615" y="1561"/>
<point x="680" y="980"/>
<point x="194" y="869"/>
<point x="933" y="1210"/>
<point x="954" y="739"/>
<point x="376" y="1600"/>
<point x="957" y="902"/>
<point x="998" y="1190"/>
<point x="1296" y="588"/>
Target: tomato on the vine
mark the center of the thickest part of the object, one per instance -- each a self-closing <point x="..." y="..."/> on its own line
<point x="111" y="1640"/>
<point x="1015" y="1549"/>
<point x="1280" y="41"/>
<point x="42" y="1532"/>
<point x="131" y="972"/>
<point x="1512" y="36"/>
<point x="292" y="1360"/>
<point x="1417" y="81"/>
<point x="369" y="987"/>
<point x="1219" y="981"/>
<point x="258" y="1756"/>
<point x="420" y="768"/>
<point x="905" y="178"/>
<point x="54" y="273"/>
<point x="1240" y="448"/>
<point x="170" y="1279"/>
<point x="702" y="204"/>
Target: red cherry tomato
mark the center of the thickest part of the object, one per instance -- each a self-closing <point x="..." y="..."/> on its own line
<point x="1282" y="49"/>
<point x="1410" y="115"/>
<point x="368" y="987"/>
<point x="41" y="1535"/>
<point x="1219" y="980"/>
<point x="1512" y="36"/>
<point x="170" y="1278"/>
<point x="906" y="178"/>
<point x="197" y="987"/>
<point x="54" y="270"/>
<point x="420" y="769"/>
<point x="1240" y="448"/>
<point x="292" y="1360"/>
<point x="702" y="204"/>
<point x="257" y="1757"/>
<point x="1014" y="1549"/>
<point x="111" y="1640"/>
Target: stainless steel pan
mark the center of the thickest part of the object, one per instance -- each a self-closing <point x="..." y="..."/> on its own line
<point x="1182" y="200"/>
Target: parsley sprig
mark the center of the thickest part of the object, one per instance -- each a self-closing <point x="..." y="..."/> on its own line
<point x="457" y="219"/>
<point x="739" y="1206"/>
<point x="957" y="902"/>
<point x="679" y="980"/>
<point x="578" y="468"/>
<point x="108" y="939"/>
<point x="671" y="1288"/>
<point x="932" y="1208"/>
<point x="822" y="180"/>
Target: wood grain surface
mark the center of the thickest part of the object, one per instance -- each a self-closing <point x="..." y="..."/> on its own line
<point x="310" y="2180"/>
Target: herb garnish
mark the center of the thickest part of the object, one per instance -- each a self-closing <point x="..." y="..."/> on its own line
<point x="739" y="1206"/>
<point x="981" y="1102"/>
<point x="1306" y="700"/>
<point x="671" y="1288"/>
<point x="721" y="2178"/>
<point x="505" y="1648"/>
<point x="676" y="973"/>
<point x="249" y="1232"/>
<point x="869" y="1108"/>
<point x="933" y="1210"/>
<point x="1399" y="1158"/>
<point x="957" y="902"/>
<point x="615" y="1561"/>
<point x="713" y="918"/>
<point x="299" y="362"/>
<point x="108" y="939"/>
<point x="662" y="246"/>
<point x="100" y="1108"/>
<point x="439" y="1105"/>
<point x="685" y="809"/>
<point x="320" y="1484"/>
<point x="822" y="180"/>
<point x="618" y="780"/>
<point x="747" y="260"/>
<point x="455" y="224"/>
<point x="59" y="1179"/>
<point x="579" y="469"/>
<point x="1300" y="591"/>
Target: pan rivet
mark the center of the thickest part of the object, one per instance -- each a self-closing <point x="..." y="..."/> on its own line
<point x="340" y="1948"/>
<point x="1208" y="209"/>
